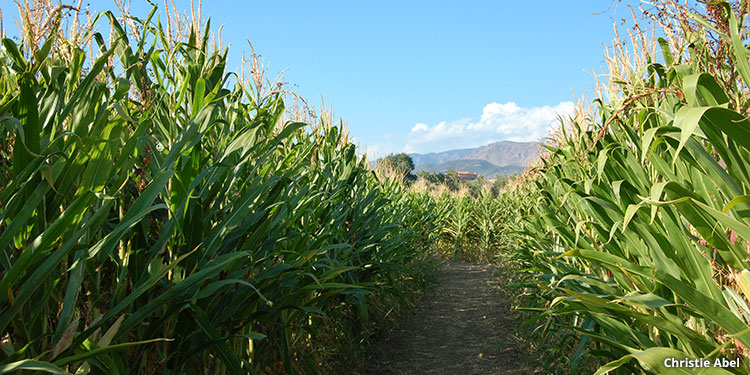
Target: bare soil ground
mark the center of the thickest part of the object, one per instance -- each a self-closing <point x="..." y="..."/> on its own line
<point x="460" y="326"/>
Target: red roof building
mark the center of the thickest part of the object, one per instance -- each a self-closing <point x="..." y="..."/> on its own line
<point x="467" y="175"/>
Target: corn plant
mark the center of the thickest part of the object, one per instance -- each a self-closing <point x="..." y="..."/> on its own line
<point x="458" y="226"/>
<point x="157" y="216"/>
<point x="488" y="218"/>
<point x="637" y="229"/>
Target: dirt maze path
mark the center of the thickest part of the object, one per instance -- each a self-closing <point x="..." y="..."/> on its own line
<point x="460" y="326"/>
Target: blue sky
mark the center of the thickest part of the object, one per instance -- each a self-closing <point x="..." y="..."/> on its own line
<point x="422" y="76"/>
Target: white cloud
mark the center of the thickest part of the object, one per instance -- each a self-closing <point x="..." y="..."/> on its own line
<point x="498" y="122"/>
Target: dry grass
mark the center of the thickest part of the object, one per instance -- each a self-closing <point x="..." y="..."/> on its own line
<point x="385" y="171"/>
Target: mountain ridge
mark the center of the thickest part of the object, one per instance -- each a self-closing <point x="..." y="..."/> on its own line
<point x="501" y="158"/>
<point x="480" y="167"/>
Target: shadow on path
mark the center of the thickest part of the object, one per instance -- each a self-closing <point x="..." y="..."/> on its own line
<point x="459" y="326"/>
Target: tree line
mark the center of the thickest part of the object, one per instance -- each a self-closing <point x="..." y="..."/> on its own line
<point x="404" y="164"/>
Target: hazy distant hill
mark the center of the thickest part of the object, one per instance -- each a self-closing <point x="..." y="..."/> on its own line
<point x="500" y="158"/>
<point x="435" y="158"/>
<point x="507" y="153"/>
<point x="481" y="167"/>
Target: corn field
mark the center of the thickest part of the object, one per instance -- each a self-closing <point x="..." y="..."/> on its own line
<point x="474" y="229"/>
<point x="635" y="231"/>
<point x="158" y="215"/>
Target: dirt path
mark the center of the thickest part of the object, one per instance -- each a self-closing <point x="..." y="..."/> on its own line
<point x="459" y="326"/>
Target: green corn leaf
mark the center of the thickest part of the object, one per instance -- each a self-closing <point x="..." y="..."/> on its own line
<point x="28" y="364"/>
<point x="654" y="359"/>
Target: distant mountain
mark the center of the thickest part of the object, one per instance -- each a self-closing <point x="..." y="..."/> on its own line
<point x="435" y="158"/>
<point x="481" y="167"/>
<point x="500" y="158"/>
<point x="508" y="153"/>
